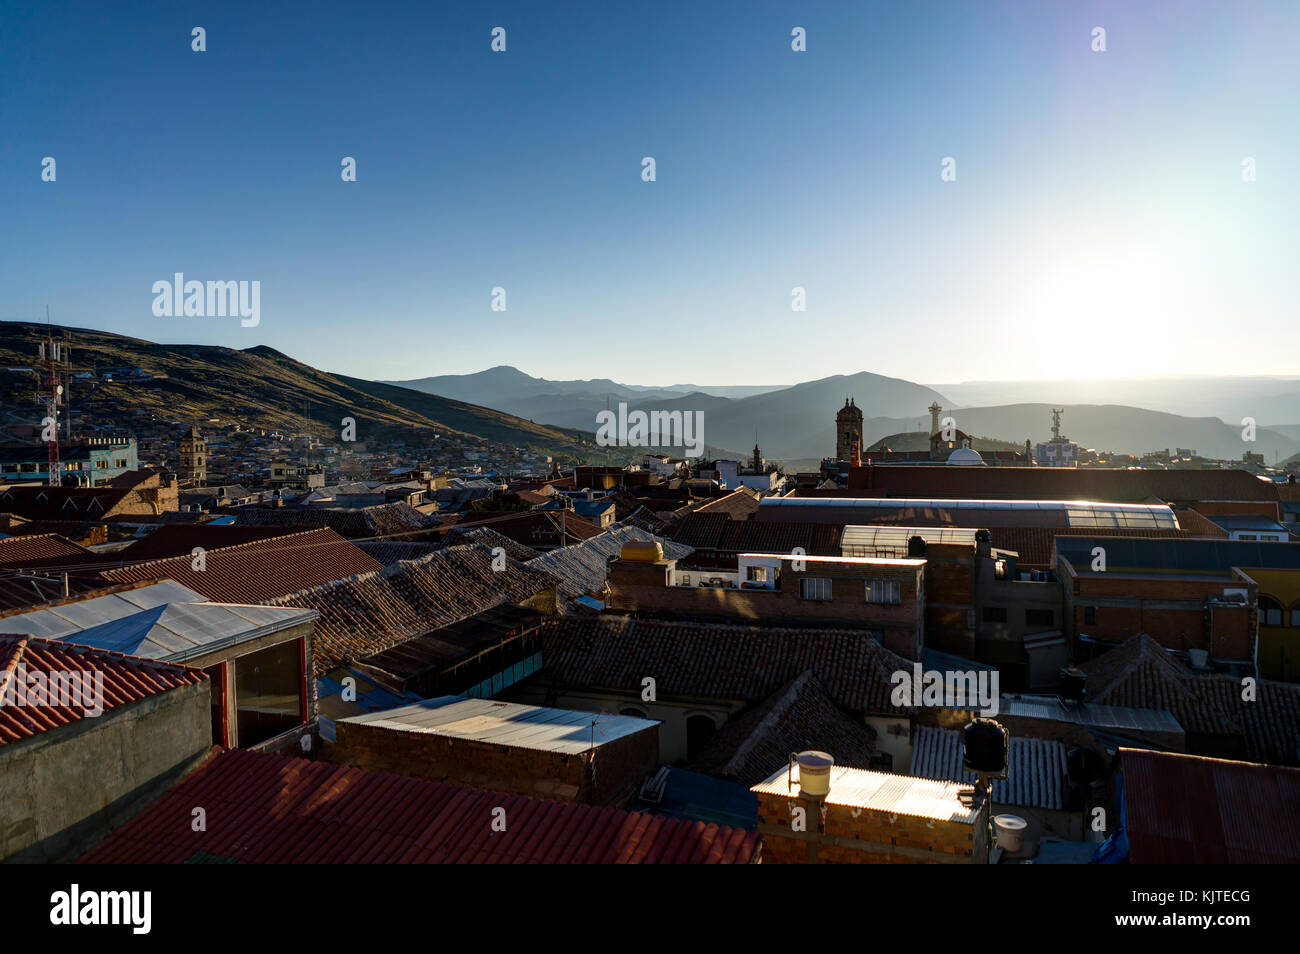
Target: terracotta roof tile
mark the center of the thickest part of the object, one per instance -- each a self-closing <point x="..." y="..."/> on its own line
<point x="371" y="612"/>
<point x="798" y="716"/>
<point x="261" y="570"/>
<point x="127" y="679"/>
<point x="708" y="661"/>
<point x="1141" y="674"/>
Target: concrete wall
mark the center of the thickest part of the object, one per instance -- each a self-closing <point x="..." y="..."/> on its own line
<point x="62" y="791"/>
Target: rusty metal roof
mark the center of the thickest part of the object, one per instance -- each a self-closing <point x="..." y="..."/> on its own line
<point x="1185" y="809"/>
<point x="267" y="809"/>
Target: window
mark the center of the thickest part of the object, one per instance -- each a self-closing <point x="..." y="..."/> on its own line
<point x="268" y="692"/>
<point x="1295" y="615"/>
<point x="1247" y="536"/>
<point x="995" y="614"/>
<point x="1270" y="612"/>
<point x="217" y="685"/>
<point x="1090" y="615"/>
<point x="758" y="574"/>
<point x="1039" y="617"/>
<point x="814" y="588"/>
<point x="699" y="729"/>
<point x="889" y="592"/>
<point x="632" y="711"/>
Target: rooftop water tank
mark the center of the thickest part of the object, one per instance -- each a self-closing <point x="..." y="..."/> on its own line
<point x="814" y="773"/>
<point x="642" y="551"/>
<point x="1010" y="831"/>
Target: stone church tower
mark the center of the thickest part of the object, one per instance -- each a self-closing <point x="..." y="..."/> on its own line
<point x="194" y="458"/>
<point x="848" y="429"/>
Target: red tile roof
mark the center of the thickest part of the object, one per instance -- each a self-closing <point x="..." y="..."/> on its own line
<point x="379" y="520"/>
<point x="179" y="539"/>
<point x="1183" y="809"/>
<point x="127" y="679"/>
<point x="710" y="661"/>
<point x="798" y="716"/>
<point x="740" y="504"/>
<point x="48" y="555"/>
<point x="536" y="528"/>
<point x="29" y="552"/>
<point x="267" y="809"/>
<point x="367" y="614"/>
<point x="261" y="570"/>
<point x="1140" y="674"/>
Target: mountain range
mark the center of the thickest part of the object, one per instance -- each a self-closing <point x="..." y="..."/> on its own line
<point x="797" y="424"/>
<point x="259" y="387"/>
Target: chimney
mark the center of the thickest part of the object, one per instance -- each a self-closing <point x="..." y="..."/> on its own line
<point x="983" y="544"/>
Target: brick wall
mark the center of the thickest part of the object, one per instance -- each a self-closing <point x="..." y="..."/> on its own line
<point x="641" y="587"/>
<point x="1172" y="611"/>
<point x="620" y="765"/>
<point x="873" y="837"/>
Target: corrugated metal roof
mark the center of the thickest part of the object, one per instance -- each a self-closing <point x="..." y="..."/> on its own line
<point x="880" y="791"/>
<point x="66" y="618"/>
<point x="126" y="679"/>
<point x="1036" y="768"/>
<point x="181" y="631"/>
<point x="267" y="809"/>
<point x="1090" y="714"/>
<point x="1078" y="513"/>
<point x="1184" y="809"/>
<point x="866" y="541"/>
<point x="507" y="723"/>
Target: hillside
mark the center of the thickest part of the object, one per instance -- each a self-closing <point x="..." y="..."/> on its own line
<point x="258" y="387"/>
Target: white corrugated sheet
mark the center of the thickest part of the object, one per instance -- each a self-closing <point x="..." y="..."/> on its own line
<point x="1036" y="768"/>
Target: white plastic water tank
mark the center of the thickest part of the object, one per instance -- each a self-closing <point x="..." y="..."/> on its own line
<point x="814" y="773"/>
<point x="1010" y="831"/>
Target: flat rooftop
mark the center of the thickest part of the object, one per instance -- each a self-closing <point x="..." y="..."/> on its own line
<point x="881" y="792"/>
<point x="507" y="723"/>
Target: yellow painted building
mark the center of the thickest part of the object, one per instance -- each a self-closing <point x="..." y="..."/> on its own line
<point x="1279" y="623"/>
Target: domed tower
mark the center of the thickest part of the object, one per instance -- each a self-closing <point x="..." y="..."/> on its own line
<point x="848" y="429"/>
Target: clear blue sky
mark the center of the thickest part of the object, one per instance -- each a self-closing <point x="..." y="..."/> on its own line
<point x="1098" y="225"/>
